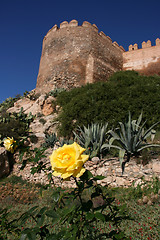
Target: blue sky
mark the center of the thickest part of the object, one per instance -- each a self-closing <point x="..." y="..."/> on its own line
<point x="24" y="23"/>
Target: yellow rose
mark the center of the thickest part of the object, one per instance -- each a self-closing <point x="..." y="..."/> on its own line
<point x="9" y="144"/>
<point x="68" y="160"/>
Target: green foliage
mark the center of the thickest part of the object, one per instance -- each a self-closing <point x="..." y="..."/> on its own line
<point x="145" y="188"/>
<point x="131" y="138"/>
<point x="110" y="101"/>
<point x="15" y="125"/>
<point x="50" y="140"/>
<point x="55" y="92"/>
<point x="22" y="218"/>
<point x="31" y="95"/>
<point x="80" y="216"/>
<point x="92" y="138"/>
<point x="8" y="103"/>
<point x="8" y="227"/>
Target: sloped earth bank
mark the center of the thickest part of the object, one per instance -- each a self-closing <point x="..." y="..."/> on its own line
<point x="43" y="108"/>
<point x="110" y="168"/>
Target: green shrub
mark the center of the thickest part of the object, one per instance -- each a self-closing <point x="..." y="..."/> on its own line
<point x="110" y="101"/>
<point x="8" y="103"/>
<point x="15" y="125"/>
<point x="55" y="92"/>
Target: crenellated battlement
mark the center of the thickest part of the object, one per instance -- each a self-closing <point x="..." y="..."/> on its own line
<point x="73" y="55"/>
<point x="74" y="23"/>
<point x="144" y="45"/>
<point x="145" y="60"/>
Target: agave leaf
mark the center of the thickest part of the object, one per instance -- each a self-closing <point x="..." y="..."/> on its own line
<point x="106" y="146"/>
<point x="123" y="135"/>
<point x="149" y="130"/>
<point x="134" y="125"/>
<point x="148" y="146"/>
<point x="92" y="136"/>
<point x="111" y="140"/>
<point x="138" y="137"/>
<point x="139" y="121"/>
<point x="153" y="133"/>
<point x="114" y="134"/>
<point x="121" y="156"/>
<point x="129" y="125"/>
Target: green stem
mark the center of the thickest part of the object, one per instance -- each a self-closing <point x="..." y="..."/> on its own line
<point x="79" y="195"/>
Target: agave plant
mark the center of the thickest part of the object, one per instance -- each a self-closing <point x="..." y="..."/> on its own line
<point x="131" y="138"/>
<point x="92" y="138"/>
<point x="50" y="140"/>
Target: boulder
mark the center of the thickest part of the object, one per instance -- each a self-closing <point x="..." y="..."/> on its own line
<point x="48" y="106"/>
<point x="28" y="106"/>
<point x="156" y="167"/>
<point x="47" y="109"/>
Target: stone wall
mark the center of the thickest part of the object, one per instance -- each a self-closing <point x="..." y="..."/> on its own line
<point x="74" y="55"/>
<point x="110" y="168"/>
<point x="145" y="60"/>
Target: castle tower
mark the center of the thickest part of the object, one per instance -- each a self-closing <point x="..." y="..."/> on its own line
<point x="74" y="55"/>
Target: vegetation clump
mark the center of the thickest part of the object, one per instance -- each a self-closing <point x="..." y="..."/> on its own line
<point x="110" y="101"/>
<point x="15" y="125"/>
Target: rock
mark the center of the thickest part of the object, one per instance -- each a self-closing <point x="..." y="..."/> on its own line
<point x="4" y="163"/>
<point x="41" y="100"/>
<point x="28" y="106"/>
<point x="140" y="202"/>
<point x="138" y="182"/>
<point x="100" y="171"/>
<point x="98" y="202"/>
<point x="108" y="180"/>
<point x="145" y="199"/>
<point x="95" y="160"/>
<point x="50" y="100"/>
<point x="156" y="167"/>
<point x="149" y="203"/>
<point x="34" y="109"/>
<point x="47" y="109"/>
<point x="121" y="181"/>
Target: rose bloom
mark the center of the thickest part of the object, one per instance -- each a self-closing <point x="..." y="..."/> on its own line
<point x="68" y="160"/>
<point x="9" y="144"/>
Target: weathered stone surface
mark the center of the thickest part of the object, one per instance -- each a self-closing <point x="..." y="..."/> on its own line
<point x="28" y="106"/>
<point x="95" y="160"/>
<point x="4" y="163"/>
<point x="48" y="106"/>
<point x="47" y="109"/>
<point x="156" y="167"/>
<point x="121" y="181"/>
<point x="145" y="60"/>
<point x="41" y="100"/>
<point x="39" y="129"/>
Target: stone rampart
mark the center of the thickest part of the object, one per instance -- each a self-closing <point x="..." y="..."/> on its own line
<point x="145" y="60"/>
<point x="74" y="55"/>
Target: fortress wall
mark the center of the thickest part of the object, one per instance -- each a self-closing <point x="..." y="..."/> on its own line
<point x="74" y="55"/>
<point x="145" y="60"/>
